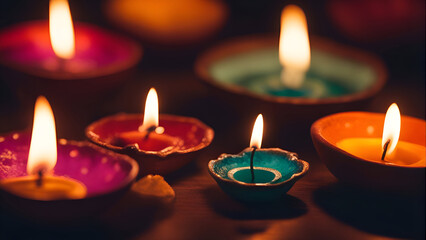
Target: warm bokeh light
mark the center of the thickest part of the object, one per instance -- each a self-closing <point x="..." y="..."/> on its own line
<point x="150" y="118"/>
<point x="43" y="149"/>
<point x="61" y="29"/>
<point x="294" y="50"/>
<point x="392" y="127"/>
<point x="256" y="135"/>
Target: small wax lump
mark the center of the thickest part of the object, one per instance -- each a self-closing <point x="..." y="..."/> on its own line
<point x="154" y="186"/>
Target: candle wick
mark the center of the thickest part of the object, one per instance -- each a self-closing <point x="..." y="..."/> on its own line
<point x="62" y="64"/>
<point x="385" y="149"/>
<point x="39" y="180"/>
<point x="149" y="131"/>
<point x="251" y="164"/>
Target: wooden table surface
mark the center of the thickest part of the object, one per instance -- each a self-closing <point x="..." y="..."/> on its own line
<point x="317" y="207"/>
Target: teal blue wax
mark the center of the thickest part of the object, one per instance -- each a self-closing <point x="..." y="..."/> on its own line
<point x="261" y="176"/>
<point x="263" y="158"/>
<point x="259" y="72"/>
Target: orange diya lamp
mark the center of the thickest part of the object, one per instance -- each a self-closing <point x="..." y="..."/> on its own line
<point x="169" y="23"/>
<point x="160" y="143"/>
<point x="374" y="151"/>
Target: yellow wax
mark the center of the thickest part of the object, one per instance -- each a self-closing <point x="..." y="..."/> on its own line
<point x="51" y="188"/>
<point x="405" y="153"/>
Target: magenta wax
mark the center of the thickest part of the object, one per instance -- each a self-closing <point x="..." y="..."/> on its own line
<point x="26" y="47"/>
<point x="106" y="175"/>
<point x="76" y="87"/>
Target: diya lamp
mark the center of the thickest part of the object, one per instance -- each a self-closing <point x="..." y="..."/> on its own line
<point x="257" y="174"/>
<point x="169" y="23"/>
<point x="57" y="50"/>
<point x="377" y="22"/>
<point x="71" y="65"/>
<point x="59" y="182"/>
<point x="374" y="151"/>
<point x="160" y="143"/>
<point x="298" y="73"/>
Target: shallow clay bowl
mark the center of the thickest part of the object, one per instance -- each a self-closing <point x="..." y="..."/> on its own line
<point x="106" y="175"/>
<point x="224" y="66"/>
<point x="287" y="163"/>
<point x="195" y="135"/>
<point x="25" y="53"/>
<point x="327" y="131"/>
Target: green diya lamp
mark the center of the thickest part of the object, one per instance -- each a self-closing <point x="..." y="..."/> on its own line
<point x="257" y="174"/>
<point x="294" y="73"/>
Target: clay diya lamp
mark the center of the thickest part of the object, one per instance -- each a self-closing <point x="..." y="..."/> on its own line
<point x="378" y="23"/>
<point x="68" y="181"/>
<point x="369" y="150"/>
<point x="50" y="53"/>
<point x="160" y="143"/>
<point x="74" y="71"/>
<point x="297" y="74"/>
<point x="257" y="174"/>
<point x="169" y="23"/>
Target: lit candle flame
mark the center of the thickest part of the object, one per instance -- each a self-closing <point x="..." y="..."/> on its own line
<point x="294" y="50"/>
<point x="150" y="118"/>
<point x="392" y="127"/>
<point x="61" y="29"/>
<point x="43" y="152"/>
<point x="256" y="135"/>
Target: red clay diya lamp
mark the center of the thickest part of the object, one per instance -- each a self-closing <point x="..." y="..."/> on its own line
<point x="257" y="174"/>
<point x="290" y="72"/>
<point x="61" y="61"/>
<point x="351" y="146"/>
<point x="161" y="144"/>
<point x="50" y="181"/>
<point x="169" y="22"/>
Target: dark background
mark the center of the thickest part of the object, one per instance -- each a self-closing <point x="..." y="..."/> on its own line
<point x="318" y="207"/>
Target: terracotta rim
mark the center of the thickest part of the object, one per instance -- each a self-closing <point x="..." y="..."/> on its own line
<point x="135" y="55"/>
<point x="242" y="44"/>
<point x="131" y="176"/>
<point x="92" y="136"/>
<point x="316" y="130"/>
<point x="294" y="177"/>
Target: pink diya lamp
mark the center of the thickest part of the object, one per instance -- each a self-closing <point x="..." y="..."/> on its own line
<point x="58" y="50"/>
<point x="161" y="144"/>
<point x="351" y="146"/>
<point x="68" y="64"/>
<point x="56" y="181"/>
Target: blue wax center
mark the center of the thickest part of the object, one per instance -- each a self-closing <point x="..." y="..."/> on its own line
<point x="262" y="158"/>
<point x="259" y="72"/>
<point x="260" y="176"/>
<point x="313" y="86"/>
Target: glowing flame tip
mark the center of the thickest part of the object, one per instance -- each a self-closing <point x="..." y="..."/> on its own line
<point x="392" y="127"/>
<point x="43" y="149"/>
<point x="61" y="29"/>
<point x="151" y="113"/>
<point x="256" y="136"/>
<point x="294" y="49"/>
